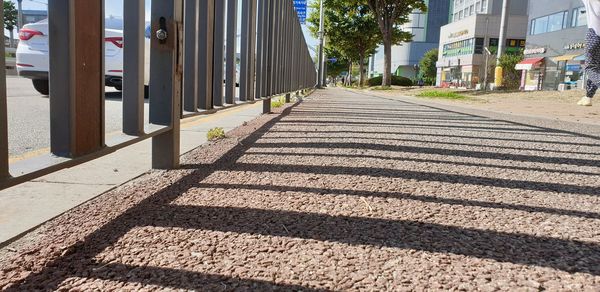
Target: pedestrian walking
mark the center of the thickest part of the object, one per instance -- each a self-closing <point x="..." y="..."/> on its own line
<point x="592" y="51"/>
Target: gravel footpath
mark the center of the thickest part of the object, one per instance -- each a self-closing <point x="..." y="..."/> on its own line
<point x="341" y="192"/>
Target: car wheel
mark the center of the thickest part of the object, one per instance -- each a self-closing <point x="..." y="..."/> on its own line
<point x="42" y="86"/>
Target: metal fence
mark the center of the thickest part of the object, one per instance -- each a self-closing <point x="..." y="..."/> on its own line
<point x="192" y="54"/>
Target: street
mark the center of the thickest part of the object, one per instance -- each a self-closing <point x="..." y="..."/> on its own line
<point x="29" y="118"/>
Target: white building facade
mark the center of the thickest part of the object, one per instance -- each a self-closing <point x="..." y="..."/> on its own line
<point x="475" y="27"/>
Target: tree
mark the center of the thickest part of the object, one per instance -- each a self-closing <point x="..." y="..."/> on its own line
<point x="10" y="19"/>
<point x="512" y="77"/>
<point x="428" y="66"/>
<point x="390" y="14"/>
<point x="336" y="63"/>
<point x="351" y="30"/>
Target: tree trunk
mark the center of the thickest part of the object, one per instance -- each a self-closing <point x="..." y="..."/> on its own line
<point x="387" y="64"/>
<point x="12" y="38"/>
<point x="349" y="81"/>
<point x="361" y="67"/>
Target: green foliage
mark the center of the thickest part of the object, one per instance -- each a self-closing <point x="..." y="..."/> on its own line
<point x="396" y="80"/>
<point x="10" y="15"/>
<point x="351" y="30"/>
<point x="441" y="94"/>
<point x="335" y="69"/>
<point x="215" y="134"/>
<point x="512" y="77"/>
<point x="428" y="68"/>
<point x="278" y="102"/>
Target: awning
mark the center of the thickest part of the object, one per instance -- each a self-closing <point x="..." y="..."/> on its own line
<point x="528" y="64"/>
<point x="564" y="58"/>
<point x="579" y="58"/>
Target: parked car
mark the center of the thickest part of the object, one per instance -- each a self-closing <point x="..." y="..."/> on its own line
<point x="33" y="58"/>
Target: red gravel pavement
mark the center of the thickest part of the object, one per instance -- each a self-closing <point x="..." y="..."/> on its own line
<point x="340" y="192"/>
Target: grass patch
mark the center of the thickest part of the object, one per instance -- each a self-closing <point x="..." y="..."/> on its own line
<point x="278" y="102"/>
<point x="441" y="94"/>
<point x="382" y="88"/>
<point x="215" y="134"/>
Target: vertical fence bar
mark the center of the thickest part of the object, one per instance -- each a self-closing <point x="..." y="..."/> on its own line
<point x="205" y="30"/>
<point x="252" y="52"/>
<point x="218" y="64"/>
<point x="245" y="51"/>
<point x="133" y="67"/>
<point x="76" y="43"/>
<point x="259" y="48"/>
<point x="4" y="172"/>
<point x="190" y="55"/>
<point x="231" y="56"/>
<point x="166" y="80"/>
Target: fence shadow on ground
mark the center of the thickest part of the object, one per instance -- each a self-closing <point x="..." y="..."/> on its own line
<point x="561" y="254"/>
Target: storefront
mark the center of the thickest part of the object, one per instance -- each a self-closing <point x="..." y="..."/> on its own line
<point x="463" y="56"/>
<point x="556" y="33"/>
<point x="532" y="74"/>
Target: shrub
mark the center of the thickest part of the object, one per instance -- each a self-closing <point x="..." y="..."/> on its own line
<point x="278" y="102"/>
<point x="215" y="134"/>
<point x="396" y="80"/>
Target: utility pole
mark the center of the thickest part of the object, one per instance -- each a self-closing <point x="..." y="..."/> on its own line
<point x="321" y="44"/>
<point x="20" y="15"/>
<point x="502" y="42"/>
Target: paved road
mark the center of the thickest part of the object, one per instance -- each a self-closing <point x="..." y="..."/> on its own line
<point x="345" y="192"/>
<point x="29" y="117"/>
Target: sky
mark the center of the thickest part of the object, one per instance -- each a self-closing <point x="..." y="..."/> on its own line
<point x="114" y="8"/>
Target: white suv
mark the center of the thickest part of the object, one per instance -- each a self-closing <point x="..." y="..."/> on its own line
<point x="33" y="60"/>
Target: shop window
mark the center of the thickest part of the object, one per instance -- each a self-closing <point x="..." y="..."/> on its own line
<point x="479" y="42"/>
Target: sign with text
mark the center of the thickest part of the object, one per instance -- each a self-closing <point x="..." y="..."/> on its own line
<point x="300" y="7"/>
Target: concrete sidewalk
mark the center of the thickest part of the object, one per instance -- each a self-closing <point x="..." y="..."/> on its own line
<point x="342" y="192"/>
<point x="28" y="205"/>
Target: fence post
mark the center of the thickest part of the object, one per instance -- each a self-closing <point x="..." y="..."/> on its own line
<point x="4" y="170"/>
<point x="165" y="80"/>
<point x="76" y="42"/>
<point x="267" y="105"/>
<point x="230" y="55"/>
<point x="205" y="30"/>
<point x="133" y="67"/>
<point x="190" y="55"/>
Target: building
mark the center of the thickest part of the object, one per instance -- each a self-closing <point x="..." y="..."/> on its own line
<point x="555" y="47"/>
<point x="475" y="27"/>
<point x="426" y="30"/>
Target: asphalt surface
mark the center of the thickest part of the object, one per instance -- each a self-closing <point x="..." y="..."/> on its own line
<point x="344" y="192"/>
<point x="29" y="117"/>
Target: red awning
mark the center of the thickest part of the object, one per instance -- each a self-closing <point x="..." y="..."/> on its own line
<point x="528" y="64"/>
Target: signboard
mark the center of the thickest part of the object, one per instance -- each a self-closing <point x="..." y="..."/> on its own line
<point x="300" y="7"/>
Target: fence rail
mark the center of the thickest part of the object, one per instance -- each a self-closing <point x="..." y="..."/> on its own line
<point x="192" y="65"/>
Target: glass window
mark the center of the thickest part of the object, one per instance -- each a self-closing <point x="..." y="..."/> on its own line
<point x="556" y="22"/>
<point x="549" y="23"/>
<point x="579" y="17"/>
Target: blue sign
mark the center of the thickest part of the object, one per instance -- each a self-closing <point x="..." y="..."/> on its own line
<point x="300" y="7"/>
